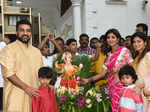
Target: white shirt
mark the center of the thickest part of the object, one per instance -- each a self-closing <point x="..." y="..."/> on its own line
<point x="2" y="45"/>
<point x="48" y="61"/>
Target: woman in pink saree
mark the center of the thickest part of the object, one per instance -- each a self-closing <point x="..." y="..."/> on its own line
<point x="117" y="56"/>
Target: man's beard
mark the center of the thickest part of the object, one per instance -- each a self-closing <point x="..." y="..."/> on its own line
<point x="25" y="41"/>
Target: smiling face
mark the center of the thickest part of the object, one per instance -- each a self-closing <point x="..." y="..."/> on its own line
<point x="112" y="40"/>
<point x="24" y="33"/>
<point x="84" y="41"/>
<point x="138" y="44"/>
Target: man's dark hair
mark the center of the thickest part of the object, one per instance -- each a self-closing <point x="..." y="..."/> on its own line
<point x="94" y="38"/>
<point x="55" y="49"/>
<point x="144" y="26"/>
<point x="69" y="41"/>
<point x="129" y="36"/>
<point x="128" y="70"/>
<point x="59" y="38"/>
<point x="23" y="21"/>
<point x="83" y="35"/>
<point x="45" y="72"/>
<point x="122" y="39"/>
<point x="102" y="38"/>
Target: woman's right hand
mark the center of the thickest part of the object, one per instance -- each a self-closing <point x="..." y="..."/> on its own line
<point x="84" y="81"/>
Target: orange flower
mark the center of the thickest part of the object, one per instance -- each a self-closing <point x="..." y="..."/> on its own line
<point x="69" y="71"/>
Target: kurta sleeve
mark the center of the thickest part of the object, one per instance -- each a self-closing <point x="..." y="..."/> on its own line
<point x="8" y="62"/>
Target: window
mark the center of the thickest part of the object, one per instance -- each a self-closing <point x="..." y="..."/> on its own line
<point x="12" y="20"/>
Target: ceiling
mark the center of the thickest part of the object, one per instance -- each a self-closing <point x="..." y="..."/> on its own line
<point x="49" y="10"/>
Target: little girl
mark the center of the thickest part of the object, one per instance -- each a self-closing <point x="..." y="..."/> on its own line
<point x="129" y="100"/>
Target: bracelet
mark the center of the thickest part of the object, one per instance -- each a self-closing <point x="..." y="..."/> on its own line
<point x="91" y="79"/>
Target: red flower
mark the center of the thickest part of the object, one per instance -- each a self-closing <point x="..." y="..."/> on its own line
<point x="73" y="83"/>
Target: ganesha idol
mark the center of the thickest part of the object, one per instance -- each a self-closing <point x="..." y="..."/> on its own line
<point x="70" y="73"/>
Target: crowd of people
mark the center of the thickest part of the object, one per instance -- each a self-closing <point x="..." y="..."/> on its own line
<point x="124" y="62"/>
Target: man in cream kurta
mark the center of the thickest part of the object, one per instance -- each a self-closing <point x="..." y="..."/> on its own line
<point x="20" y="63"/>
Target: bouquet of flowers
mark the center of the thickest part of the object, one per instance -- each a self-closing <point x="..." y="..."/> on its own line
<point x="71" y="95"/>
<point x="93" y="100"/>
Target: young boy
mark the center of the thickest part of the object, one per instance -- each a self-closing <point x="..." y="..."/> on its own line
<point x="129" y="101"/>
<point x="46" y="102"/>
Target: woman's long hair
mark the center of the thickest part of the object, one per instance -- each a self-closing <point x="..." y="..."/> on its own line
<point x="146" y="49"/>
<point x="105" y="47"/>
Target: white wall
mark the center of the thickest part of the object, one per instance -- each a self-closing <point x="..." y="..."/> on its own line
<point x="123" y="17"/>
<point x="64" y="26"/>
<point x="98" y="17"/>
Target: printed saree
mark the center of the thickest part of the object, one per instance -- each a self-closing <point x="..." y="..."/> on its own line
<point x="119" y="58"/>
